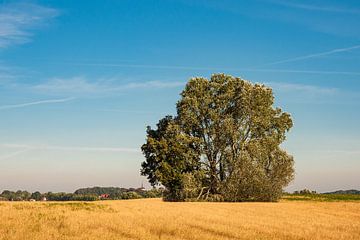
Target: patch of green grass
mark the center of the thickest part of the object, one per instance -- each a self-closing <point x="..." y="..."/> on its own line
<point x="322" y="197"/>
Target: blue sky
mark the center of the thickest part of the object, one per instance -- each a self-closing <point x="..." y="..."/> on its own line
<point x="81" y="80"/>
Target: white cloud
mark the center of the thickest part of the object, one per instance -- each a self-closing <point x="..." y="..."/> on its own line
<point x="293" y="87"/>
<point x="81" y="85"/>
<point x="16" y="19"/>
<point x="49" y="101"/>
<point x="222" y="69"/>
<point x="153" y="84"/>
<point x="69" y="85"/>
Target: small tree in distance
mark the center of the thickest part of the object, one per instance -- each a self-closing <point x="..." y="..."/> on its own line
<point x="223" y="145"/>
<point x="36" y="196"/>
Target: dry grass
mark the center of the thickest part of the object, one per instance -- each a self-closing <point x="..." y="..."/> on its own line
<point x="154" y="219"/>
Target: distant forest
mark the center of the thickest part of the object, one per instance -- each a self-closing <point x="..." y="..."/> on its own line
<point x="352" y="191"/>
<point x="117" y="193"/>
<point x="83" y="194"/>
<point x="338" y="192"/>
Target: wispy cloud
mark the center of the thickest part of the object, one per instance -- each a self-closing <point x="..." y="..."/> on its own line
<point x="16" y="19"/>
<point x="336" y="19"/>
<point x="303" y="71"/>
<point x="81" y="85"/>
<point x="219" y="69"/>
<point x="14" y="154"/>
<point x="313" y="7"/>
<point x="49" y="101"/>
<point x="294" y="87"/>
<point x="70" y="148"/>
<point x="70" y="85"/>
<point x="314" y="55"/>
<point x="131" y="111"/>
<point x="153" y="84"/>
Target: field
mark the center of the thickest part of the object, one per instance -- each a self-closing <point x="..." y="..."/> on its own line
<point x="154" y="219"/>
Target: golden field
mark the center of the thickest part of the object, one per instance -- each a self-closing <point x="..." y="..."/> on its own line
<point x="155" y="219"/>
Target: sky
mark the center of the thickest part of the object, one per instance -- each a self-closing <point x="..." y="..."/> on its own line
<point x="81" y="80"/>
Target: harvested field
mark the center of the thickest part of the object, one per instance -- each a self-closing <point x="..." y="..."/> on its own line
<point x="155" y="219"/>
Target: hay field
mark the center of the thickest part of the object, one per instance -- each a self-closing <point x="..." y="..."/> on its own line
<point x="154" y="219"/>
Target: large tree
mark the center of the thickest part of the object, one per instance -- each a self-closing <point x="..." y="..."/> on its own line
<point x="224" y="143"/>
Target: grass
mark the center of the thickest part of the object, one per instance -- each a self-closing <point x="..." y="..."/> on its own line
<point x="322" y="197"/>
<point x="154" y="219"/>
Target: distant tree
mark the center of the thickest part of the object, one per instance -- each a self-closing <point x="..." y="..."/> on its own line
<point x="19" y="196"/>
<point x="305" y="192"/>
<point x="224" y="144"/>
<point x="86" y="197"/>
<point x="15" y="196"/>
<point x="36" y="196"/>
<point x="113" y="191"/>
<point x="25" y="195"/>
<point x="6" y="192"/>
<point x="9" y="195"/>
<point x="153" y="193"/>
<point x="131" y="195"/>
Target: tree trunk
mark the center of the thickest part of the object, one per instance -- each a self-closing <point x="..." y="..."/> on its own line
<point x="213" y="178"/>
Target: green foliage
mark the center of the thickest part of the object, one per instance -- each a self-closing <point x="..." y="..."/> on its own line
<point x="224" y="142"/>
<point x="304" y="192"/>
<point x="69" y="197"/>
<point x="15" y="196"/>
<point x="120" y="193"/>
<point x="153" y="193"/>
<point x="131" y="195"/>
<point x="83" y="194"/>
<point x="36" y="196"/>
<point x="351" y="191"/>
<point x="100" y="190"/>
<point x="170" y="154"/>
<point x="322" y="197"/>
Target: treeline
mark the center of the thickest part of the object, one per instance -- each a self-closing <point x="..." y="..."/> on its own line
<point x="121" y="193"/>
<point x="351" y="191"/>
<point x="304" y="192"/>
<point x="83" y="194"/>
<point x="309" y="195"/>
<point x="338" y="192"/>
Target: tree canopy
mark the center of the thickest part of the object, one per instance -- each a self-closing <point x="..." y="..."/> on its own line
<point x="223" y="145"/>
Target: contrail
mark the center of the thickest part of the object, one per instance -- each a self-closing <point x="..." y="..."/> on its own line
<point x="338" y="50"/>
<point x="36" y="103"/>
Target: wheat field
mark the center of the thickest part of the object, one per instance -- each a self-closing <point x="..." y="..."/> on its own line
<point x="155" y="219"/>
